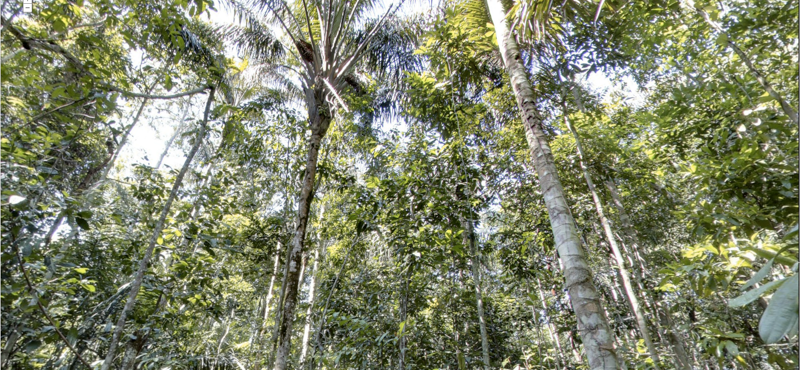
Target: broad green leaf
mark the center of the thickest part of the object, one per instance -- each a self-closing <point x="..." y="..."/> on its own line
<point x="753" y="294"/>
<point x="760" y="275"/>
<point x="82" y="223"/>
<point x="781" y="316"/>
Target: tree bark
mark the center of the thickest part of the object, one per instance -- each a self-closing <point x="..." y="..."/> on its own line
<point x="145" y="261"/>
<point x="318" y="129"/>
<point x="469" y="240"/>
<point x="630" y="293"/>
<point x="404" y="316"/>
<point x="312" y="287"/>
<point x="9" y="345"/>
<point x="592" y="324"/>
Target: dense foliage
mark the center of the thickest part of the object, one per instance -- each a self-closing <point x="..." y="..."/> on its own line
<point x="347" y="184"/>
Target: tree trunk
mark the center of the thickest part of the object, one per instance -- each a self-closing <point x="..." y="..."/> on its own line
<point x="275" y="266"/>
<point x="557" y="355"/>
<point x="132" y="350"/>
<point x="145" y="261"/>
<point x="682" y="359"/>
<point x="469" y="240"/>
<point x="553" y="333"/>
<point x="10" y="343"/>
<point x="592" y="324"/>
<point x="124" y="139"/>
<point x="404" y="316"/>
<point x="312" y="286"/>
<point x="630" y="293"/>
<point x="318" y="130"/>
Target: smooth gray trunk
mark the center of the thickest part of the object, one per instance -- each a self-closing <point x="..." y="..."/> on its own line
<point x="469" y="240"/>
<point x="318" y="129"/>
<point x="591" y="321"/>
<point x="275" y="266"/>
<point x="145" y="261"/>
<point x="312" y="287"/>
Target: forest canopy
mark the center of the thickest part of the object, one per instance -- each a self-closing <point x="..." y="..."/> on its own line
<point x="362" y="184"/>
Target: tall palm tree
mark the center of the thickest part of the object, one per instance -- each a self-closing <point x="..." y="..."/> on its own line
<point x="329" y="39"/>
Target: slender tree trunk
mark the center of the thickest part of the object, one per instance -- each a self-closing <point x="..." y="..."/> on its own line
<point x="312" y="287"/>
<point x="682" y="359"/>
<point x="630" y="293"/>
<point x="404" y="316"/>
<point x="553" y="333"/>
<point x="275" y="266"/>
<point x="145" y="261"/>
<point x="787" y="109"/>
<point x="225" y="333"/>
<point x="132" y="350"/>
<point x="10" y="342"/>
<point x="553" y="341"/>
<point x="318" y="334"/>
<point x="278" y="311"/>
<point x="318" y="130"/>
<point x="124" y="139"/>
<point x="469" y="240"/>
<point x="592" y="324"/>
<point x="174" y="136"/>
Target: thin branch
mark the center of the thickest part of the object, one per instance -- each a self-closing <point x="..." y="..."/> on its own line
<point x="40" y="115"/>
<point x="31" y="43"/>
<point x="44" y="311"/>
<point x="131" y="94"/>
<point x="10" y="55"/>
<point x="787" y="109"/>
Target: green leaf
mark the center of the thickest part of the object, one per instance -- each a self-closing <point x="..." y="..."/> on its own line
<point x="753" y="294"/>
<point x="81" y="270"/>
<point x="781" y="316"/>
<point x="731" y="347"/>
<point x="722" y="40"/>
<point x="82" y="223"/>
<point x="32" y="345"/>
<point x="760" y="275"/>
<point x="401" y="331"/>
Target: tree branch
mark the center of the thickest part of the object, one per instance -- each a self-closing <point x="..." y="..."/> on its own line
<point x="31" y="43"/>
<point x="44" y="311"/>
